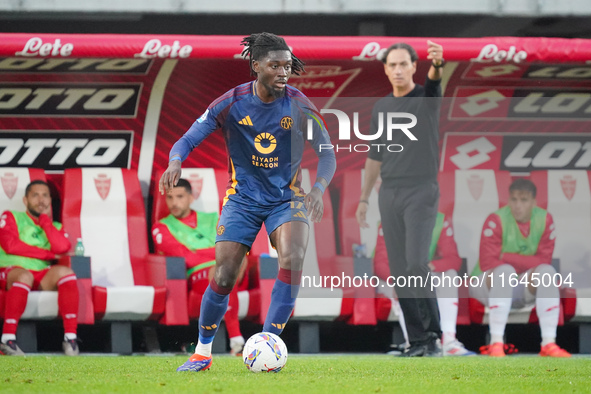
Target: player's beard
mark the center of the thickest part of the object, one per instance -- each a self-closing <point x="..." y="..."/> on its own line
<point x="33" y="212"/>
<point x="275" y="92"/>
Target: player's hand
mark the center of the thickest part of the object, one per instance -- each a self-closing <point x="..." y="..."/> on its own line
<point x="45" y="219"/>
<point x="314" y="205"/>
<point x="170" y="177"/>
<point x="361" y="213"/>
<point x="434" y="52"/>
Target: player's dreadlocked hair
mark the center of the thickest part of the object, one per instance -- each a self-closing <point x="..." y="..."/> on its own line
<point x="258" y="45"/>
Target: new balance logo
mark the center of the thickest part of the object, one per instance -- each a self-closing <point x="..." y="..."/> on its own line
<point x="246" y="121"/>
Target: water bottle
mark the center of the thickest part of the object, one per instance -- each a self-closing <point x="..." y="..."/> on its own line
<point x="359" y="250"/>
<point x="79" y="250"/>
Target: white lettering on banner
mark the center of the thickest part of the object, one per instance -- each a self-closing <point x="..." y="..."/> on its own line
<point x="482" y="102"/>
<point x="554" y="154"/>
<point x="95" y="152"/>
<point x="370" y="51"/>
<point x="99" y="99"/>
<point x="154" y="48"/>
<point x="473" y="153"/>
<point x="491" y="52"/>
<point x="89" y="65"/>
<point x="497" y="70"/>
<point x="36" y="47"/>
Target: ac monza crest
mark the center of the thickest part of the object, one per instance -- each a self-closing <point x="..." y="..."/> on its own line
<point x="569" y="186"/>
<point x="103" y="185"/>
<point x="196" y="182"/>
<point x="9" y="184"/>
<point x="475" y="185"/>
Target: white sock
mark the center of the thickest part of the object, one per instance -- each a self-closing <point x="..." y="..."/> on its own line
<point x="548" y="311"/>
<point x="8" y="337"/>
<point x="547" y="306"/>
<point x="498" y="315"/>
<point x="70" y="336"/>
<point x="499" y="304"/>
<point x="203" y="349"/>
<point x="448" y="312"/>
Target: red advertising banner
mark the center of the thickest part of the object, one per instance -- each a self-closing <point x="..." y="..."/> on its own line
<point x="491" y="49"/>
<point x="123" y="100"/>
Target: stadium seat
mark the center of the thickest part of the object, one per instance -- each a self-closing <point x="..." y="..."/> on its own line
<point x="386" y="306"/>
<point x="566" y="194"/>
<point x="14" y="182"/>
<point x="370" y="306"/>
<point x="41" y="305"/>
<point x="209" y="189"/>
<point x="104" y="206"/>
<point x="322" y="303"/>
<point x="472" y="195"/>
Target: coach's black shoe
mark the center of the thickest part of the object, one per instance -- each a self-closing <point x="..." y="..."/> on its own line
<point x="415" y="350"/>
<point x="434" y="348"/>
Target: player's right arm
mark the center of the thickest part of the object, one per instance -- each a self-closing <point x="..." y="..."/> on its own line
<point x="211" y="120"/>
<point x="12" y="244"/>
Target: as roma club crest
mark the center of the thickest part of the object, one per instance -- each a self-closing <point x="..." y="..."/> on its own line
<point x="103" y="185"/>
<point x="475" y="185"/>
<point x="9" y="184"/>
<point x="196" y="182"/>
<point x="286" y="123"/>
<point x="569" y="186"/>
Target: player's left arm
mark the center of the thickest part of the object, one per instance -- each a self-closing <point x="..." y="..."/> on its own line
<point x="327" y="165"/>
<point x="58" y="241"/>
<point x="543" y="254"/>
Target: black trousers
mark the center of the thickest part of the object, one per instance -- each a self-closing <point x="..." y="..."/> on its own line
<point x="408" y="216"/>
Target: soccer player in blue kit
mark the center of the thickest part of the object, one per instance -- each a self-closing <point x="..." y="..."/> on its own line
<point x="264" y="123"/>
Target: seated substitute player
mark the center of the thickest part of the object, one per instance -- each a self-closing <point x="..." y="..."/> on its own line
<point x="444" y="260"/>
<point x="518" y="239"/>
<point x="190" y="234"/>
<point x="264" y="123"/>
<point x="29" y="243"/>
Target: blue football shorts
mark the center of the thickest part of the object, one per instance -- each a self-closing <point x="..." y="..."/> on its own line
<point x="241" y="222"/>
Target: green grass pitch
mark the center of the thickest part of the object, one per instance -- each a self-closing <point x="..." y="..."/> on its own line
<point x="302" y="374"/>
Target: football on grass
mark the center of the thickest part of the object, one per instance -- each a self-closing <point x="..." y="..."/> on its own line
<point x="264" y="352"/>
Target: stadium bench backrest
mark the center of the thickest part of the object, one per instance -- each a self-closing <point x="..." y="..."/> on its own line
<point x="104" y="206"/>
<point x="321" y="241"/>
<point x="14" y="181"/>
<point x="567" y="197"/>
<point x="208" y="186"/>
<point x="351" y="233"/>
<point x="477" y="194"/>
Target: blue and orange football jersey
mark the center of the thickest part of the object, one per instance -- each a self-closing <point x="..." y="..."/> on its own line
<point x="265" y="143"/>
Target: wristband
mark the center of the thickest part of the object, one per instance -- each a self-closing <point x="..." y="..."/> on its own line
<point x="175" y="157"/>
<point x="320" y="186"/>
<point x="440" y="64"/>
<point x="365" y="201"/>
